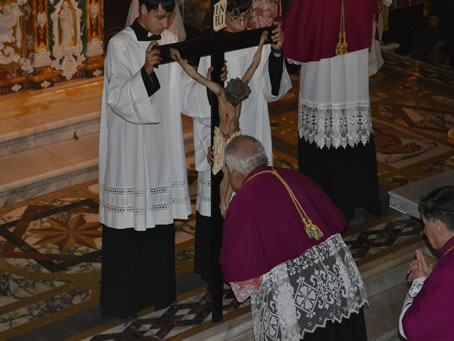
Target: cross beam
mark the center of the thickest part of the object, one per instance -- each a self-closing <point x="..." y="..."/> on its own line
<point x="221" y="42"/>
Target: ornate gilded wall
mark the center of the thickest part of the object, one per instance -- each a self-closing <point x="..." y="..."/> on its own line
<point x="47" y="41"/>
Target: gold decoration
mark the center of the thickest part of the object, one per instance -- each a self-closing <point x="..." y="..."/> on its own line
<point x="341" y="47"/>
<point x="312" y="230"/>
<point x="94" y="20"/>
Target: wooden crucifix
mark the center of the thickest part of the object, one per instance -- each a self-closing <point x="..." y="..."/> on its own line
<point x="215" y="45"/>
<point x="229" y="103"/>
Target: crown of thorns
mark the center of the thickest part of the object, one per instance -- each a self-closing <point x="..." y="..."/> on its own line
<point x="236" y="91"/>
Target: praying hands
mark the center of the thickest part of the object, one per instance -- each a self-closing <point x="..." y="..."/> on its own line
<point x="418" y="268"/>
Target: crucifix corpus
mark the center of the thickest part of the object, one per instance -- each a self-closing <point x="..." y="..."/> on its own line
<point x="223" y="126"/>
<point x="229" y="110"/>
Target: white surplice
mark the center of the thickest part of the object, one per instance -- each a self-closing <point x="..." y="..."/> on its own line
<point x="254" y="118"/>
<point x="142" y="168"/>
<point x="376" y="60"/>
<point x="334" y="106"/>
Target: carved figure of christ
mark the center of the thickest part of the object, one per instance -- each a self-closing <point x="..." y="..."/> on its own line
<point x="230" y="102"/>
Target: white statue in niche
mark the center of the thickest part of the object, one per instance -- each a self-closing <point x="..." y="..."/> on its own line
<point x="67" y="37"/>
<point x="67" y="26"/>
<point x="94" y="7"/>
<point x="9" y="19"/>
<point x="10" y="32"/>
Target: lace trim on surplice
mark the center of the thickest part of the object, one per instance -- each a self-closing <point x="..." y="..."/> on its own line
<point x="203" y="203"/>
<point x="157" y="198"/>
<point x="304" y="293"/>
<point x="334" y="125"/>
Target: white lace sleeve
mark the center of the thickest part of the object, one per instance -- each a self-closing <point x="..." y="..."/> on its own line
<point x="244" y="289"/>
<point x="415" y="288"/>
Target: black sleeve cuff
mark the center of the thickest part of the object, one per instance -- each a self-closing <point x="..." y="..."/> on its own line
<point x="275" y="69"/>
<point x="151" y="82"/>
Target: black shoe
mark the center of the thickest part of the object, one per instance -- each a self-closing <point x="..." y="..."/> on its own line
<point x="217" y="292"/>
<point x="216" y="310"/>
<point x="359" y="218"/>
<point x="160" y="306"/>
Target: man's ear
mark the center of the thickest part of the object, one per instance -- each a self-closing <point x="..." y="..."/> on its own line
<point x="239" y="177"/>
<point x="440" y="226"/>
<point x="143" y="9"/>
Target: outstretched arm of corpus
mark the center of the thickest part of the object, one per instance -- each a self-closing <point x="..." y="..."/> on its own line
<point x="214" y="87"/>
<point x="256" y="61"/>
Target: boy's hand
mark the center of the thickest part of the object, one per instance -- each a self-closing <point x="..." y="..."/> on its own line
<point x="152" y="57"/>
<point x="277" y="37"/>
<point x="210" y="157"/>
<point x="223" y="76"/>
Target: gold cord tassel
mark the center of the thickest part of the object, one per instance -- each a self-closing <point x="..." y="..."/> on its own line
<point x="312" y="230"/>
<point x="341" y="47"/>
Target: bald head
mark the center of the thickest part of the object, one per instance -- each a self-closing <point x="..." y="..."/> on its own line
<point x="244" y="154"/>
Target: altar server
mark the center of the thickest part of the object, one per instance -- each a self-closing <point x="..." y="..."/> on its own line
<point x="336" y="148"/>
<point x="142" y="168"/>
<point x="270" y="82"/>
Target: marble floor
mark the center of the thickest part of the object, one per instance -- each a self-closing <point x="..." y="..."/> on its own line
<point x="50" y="246"/>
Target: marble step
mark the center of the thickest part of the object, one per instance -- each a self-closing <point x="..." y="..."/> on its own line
<point x="35" y="118"/>
<point x="52" y="167"/>
<point x="49" y="126"/>
<point x="48" y="168"/>
<point x="68" y="122"/>
<point x="236" y="329"/>
<point x="405" y="199"/>
<point x="382" y="315"/>
<point x="49" y="140"/>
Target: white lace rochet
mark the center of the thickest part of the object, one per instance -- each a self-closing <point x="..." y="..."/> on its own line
<point x="304" y="293"/>
<point x="334" y="125"/>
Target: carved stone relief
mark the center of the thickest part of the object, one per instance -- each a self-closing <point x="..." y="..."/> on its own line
<point x="46" y="41"/>
<point x="11" y="32"/>
<point x="94" y="27"/>
<point x="41" y="56"/>
<point x="67" y="37"/>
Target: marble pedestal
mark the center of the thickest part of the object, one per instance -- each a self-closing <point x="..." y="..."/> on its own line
<point x="405" y="199"/>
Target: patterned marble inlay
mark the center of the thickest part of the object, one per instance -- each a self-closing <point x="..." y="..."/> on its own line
<point x="379" y="238"/>
<point x="171" y="321"/>
<point x="14" y="287"/>
<point x="56" y="237"/>
<point x="20" y="316"/>
<point x="420" y="70"/>
<point x="400" y="148"/>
